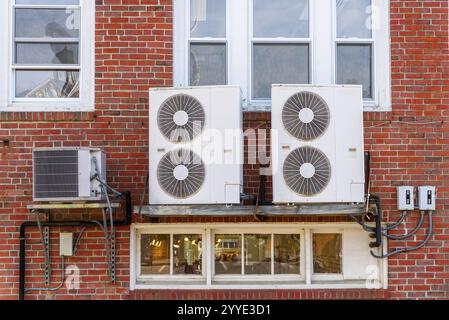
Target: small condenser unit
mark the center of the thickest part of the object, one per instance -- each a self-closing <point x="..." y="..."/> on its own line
<point x="67" y="174"/>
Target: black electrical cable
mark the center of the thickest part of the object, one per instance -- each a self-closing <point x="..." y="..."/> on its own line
<point x="407" y="235"/>
<point x="409" y="249"/>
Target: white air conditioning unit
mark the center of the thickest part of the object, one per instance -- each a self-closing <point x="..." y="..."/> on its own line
<point x="64" y="174"/>
<point x="195" y="145"/>
<point x="319" y="144"/>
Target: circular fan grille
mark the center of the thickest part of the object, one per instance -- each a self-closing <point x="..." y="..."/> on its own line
<point x="181" y="118"/>
<point x="181" y="173"/>
<point x="305" y="116"/>
<point x="307" y="171"/>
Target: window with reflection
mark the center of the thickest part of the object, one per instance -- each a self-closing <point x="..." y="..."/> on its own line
<point x="228" y="254"/>
<point x="287" y="250"/>
<point x="280" y="44"/>
<point x="155" y="254"/>
<point x="354" y="45"/>
<point x="187" y="254"/>
<point x="46" y="46"/>
<point x="183" y="258"/>
<point x="263" y="254"/>
<point x="208" y="58"/>
<point x="327" y="253"/>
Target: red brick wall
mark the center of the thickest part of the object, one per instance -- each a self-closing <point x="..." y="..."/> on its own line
<point x="134" y="52"/>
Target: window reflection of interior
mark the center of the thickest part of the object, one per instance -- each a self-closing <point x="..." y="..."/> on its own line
<point x="327" y="251"/>
<point x="187" y="254"/>
<point x="155" y="254"/>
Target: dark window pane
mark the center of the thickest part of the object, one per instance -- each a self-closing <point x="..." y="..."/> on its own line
<point x="327" y="253"/>
<point x="281" y="18"/>
<point x="228" y="254"/>
<point x="187" y="254"/>
<point x="155" y="254"/>
<point x="207" y="64"/>
<point x="47" y="84"/>
<point x="257" y="254"/>
<point x="51" y="23"/>
<point x="354" y="66"/>
<point x="208" y="18"/>
<point x="48" y="2"/>
<point x="354" y="18"/>
<point x="278" y="63"/>
<point x="46" y="53"/>
<point x="287" y="253"/>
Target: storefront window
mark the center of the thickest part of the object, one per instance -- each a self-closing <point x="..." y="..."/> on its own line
<point x="228" y="254"/>
<point x="257" y="254"/>
<point x="187" y="252"/>
<point x="287" y="253"/>
<point x="155" y="254"/>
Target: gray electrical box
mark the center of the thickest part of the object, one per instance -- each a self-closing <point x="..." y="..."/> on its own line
<point x="427" y="197"/>
<point x="406" y="199"/>
<point x="66" y="244"/>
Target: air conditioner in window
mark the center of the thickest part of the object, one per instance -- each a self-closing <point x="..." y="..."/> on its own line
<point x="319" y="145"/>
<point x="195" y="147"/>
<point x="65" y="174"/>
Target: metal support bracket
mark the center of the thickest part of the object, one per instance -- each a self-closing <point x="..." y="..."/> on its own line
<point x="112" y="261"/>
<point x="46" y="238"/>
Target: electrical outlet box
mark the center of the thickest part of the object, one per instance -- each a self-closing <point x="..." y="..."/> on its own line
<point x="427" y="197"/>
<point x="406" y="199"/>
<point x="66" y="244"/>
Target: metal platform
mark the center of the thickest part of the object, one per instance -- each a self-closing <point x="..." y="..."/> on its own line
<point x="275" y="210"/>
<point x="71" y="206"/>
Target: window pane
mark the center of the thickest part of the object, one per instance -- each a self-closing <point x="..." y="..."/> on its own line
<point x="155" y="254"/>
<point x="47" y="84"/>
<point x="228" y="254"/>
<point x="281" y="18"/>
<point x="208" y="18"/>
<point x="257" y="254"/>
<point x="286" y="253"/>
<point x="354" y="66"/>
<point x="48" y="2"/>
<point x="187" y="254"/>
<point x="207" y="64"/>
<point x="53" y="23"/>
<point x="278" y="63"/>
<point x="46" y="53"/>
<point x="327" y="253"/>
<point x="354" y="18"/>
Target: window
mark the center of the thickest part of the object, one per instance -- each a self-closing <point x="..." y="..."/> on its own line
<point x="247" y="255"/>
<point x="51" y="58"/>
<point x="256" y="43"/>
<point x="168" y="254"/>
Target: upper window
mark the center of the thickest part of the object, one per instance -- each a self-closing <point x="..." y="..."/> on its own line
<point x="51" y="57"/>
<point x="257" y="43"/>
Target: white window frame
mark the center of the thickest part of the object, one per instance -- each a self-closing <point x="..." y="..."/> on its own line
<point x="322" y="37"/>
<point x="8" y="102"/>
<point x="305" y="280"/>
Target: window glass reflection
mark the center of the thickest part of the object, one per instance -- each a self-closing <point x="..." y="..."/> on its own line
<point x="187" y="254"/>
<point x="155" y="254"/>
<point x="228" y="254"/>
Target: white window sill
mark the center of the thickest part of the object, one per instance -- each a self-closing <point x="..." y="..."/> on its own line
<point x="47" y="107"/>
<point x="267" y="285"/>
<point x="368" y="106"/>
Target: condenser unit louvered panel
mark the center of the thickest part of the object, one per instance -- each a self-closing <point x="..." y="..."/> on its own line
<point x="65" y="174"/>
<point x="56" y="174"/>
